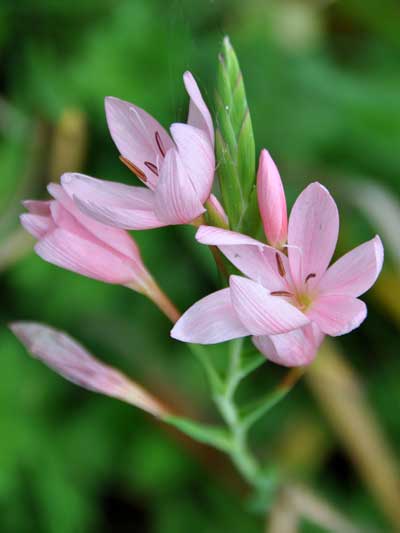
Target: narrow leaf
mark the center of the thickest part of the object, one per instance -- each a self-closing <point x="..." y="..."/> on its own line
<point x="213" y="435"/>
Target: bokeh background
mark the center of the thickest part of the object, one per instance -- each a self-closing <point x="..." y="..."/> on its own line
<point x="323" y="86"/>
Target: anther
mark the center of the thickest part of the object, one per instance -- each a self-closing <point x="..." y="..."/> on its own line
<point x="159" y="143"/>
<point x="141" y="175"/>
<point x="279" y="262"/>
<point x="152" y="167"/>
<point x="281" y="293"/>
<point x="309" y="277"/>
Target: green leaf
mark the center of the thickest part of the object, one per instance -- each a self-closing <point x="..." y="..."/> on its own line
<point x="252" y="412"/>
<point x="216" y="436"/>
<point x="235" y="144"/>
<point x="250" y="362"/>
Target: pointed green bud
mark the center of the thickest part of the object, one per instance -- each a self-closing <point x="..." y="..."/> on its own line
<point x="235" y="144"/>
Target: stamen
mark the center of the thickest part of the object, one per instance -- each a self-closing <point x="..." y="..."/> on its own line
<point x="159" y="143"/>
<point x="141" y="175"/>
<point x="281" y="293"/>
<point x="152" y="167"/>
<point x="312" y="275"/>
<point x="279" y="262"/>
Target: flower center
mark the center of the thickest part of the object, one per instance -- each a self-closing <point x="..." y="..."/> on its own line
<point x="303" y="301"/>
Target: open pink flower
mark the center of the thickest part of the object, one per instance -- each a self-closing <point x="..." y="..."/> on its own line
<point x="72" y="240"/>
<point x="287" y="303"/>
<point x="177" y="171"/>
<point x="69" y="359"/>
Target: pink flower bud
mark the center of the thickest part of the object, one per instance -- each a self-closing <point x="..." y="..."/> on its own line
<point x="69" y="359"/>
<point x="271" y="201"/>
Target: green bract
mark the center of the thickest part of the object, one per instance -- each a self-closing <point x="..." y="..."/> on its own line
<point x="235" y="144"/>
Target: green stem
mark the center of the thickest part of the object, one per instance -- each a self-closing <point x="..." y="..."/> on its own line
<point x="240" y="453"/>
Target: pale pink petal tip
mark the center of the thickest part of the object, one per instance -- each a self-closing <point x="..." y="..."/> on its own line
<point x="199" y="115"/>
<point x="313" y="231"/>
<point x="210" y="320"/>
<point x="271" y="200"/>
<point x="355" y="272"/>
<point x="337" y="314"/>
<point x="36" y="225"/>
<point x="69" y="359"/>
<point x="139" y="137"/>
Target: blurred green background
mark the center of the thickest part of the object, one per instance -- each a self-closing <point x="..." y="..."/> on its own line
<point x="323" y="86"/>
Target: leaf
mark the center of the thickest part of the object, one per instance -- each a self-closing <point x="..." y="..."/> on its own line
<point x="250" y="362"/>
<point x="213" y="435"/>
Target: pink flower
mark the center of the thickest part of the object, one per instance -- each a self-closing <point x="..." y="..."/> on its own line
<point x="287" y="303"/>
<point x="71" y="240"/>
<point x="177" y="171"/>
<point x="68" y="358"/>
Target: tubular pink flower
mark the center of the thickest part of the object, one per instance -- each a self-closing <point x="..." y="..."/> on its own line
<point x="287" y="303"/>
<point x="271" y="201"/>
<point x="70" y="239"/>
<point x="178" y="169"/>
<point x="69" y="359"/>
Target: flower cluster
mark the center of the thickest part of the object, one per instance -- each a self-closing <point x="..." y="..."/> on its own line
<point x="287" y="298"/>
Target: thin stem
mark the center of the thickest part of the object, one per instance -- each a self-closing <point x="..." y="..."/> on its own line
<point x="219" y="261"/>
<point x="199" y="221"/>
<point x="154" y="292"/>
<point x="240" y="453"/>
<point x="212" y="375"/>
<point x="162" y="301"/>
<point x="218" y="258"/>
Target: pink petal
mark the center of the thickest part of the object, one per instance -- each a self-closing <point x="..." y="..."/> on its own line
<point x="176" y="201"/>
<point x="111" y="203"/>
<point x="313" y="233"/>
<point x="210" y="320"/>
<point x="260" y="312"/>
<point x="37" y="207"/>
<point x="197" y="155"/>
<point x="337" y="314"/>
<point x="137" y="135"/>
<point x="68" y="358"/>
<point x="356" y="272"/>
<point x="116" y="238"/>
<point x="36" y="225"/>
<point x="65" y="220"/>
<point x="68" y="250"/>
<point x="255" y="259"/>
<point x="295" y="348"/>
<point x="224" y="237"/>
<point x="199" y="115"/>
<point x="271" y="200"/>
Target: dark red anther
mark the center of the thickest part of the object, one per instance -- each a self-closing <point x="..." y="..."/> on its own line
<point x="141" y="175"/>
<point x="281" y="293"/>
<point x="279" y="262"/>
<point x="312" y="275"/>
<point x="159" y="143"/>
<point x="152" y="167"/>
